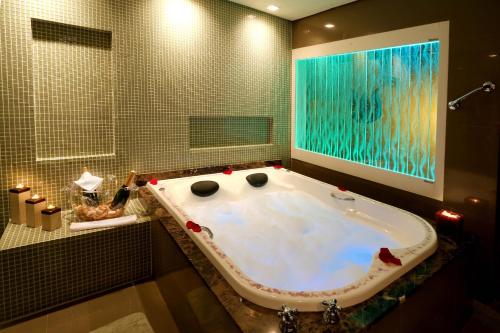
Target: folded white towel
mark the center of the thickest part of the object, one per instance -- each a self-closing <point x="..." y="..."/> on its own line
<point x="89" y="182"/>
<point x="124" y="220"/>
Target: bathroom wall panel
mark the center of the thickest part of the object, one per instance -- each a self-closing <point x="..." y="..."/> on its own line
<point x="472" y="132"/>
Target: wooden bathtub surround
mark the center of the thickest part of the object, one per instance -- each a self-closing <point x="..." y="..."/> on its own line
<point x="34" y="209"/>
<point x="51" y="219"/>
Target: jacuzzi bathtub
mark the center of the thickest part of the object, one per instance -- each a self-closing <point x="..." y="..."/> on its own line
<point x="291" y="242"/>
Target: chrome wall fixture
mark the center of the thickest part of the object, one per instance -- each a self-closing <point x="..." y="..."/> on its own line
<point x="488" y="86"/>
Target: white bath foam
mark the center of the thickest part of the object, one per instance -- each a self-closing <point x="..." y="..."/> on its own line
<point x="290" y="240"/>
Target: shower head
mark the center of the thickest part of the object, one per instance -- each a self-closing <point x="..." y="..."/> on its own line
<point x="488" y="86"/>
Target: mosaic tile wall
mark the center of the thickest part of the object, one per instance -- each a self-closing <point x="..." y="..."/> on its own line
<point x="171" y="59"/>
<point x="74" y="114"/>
<point x="206" y="132"/>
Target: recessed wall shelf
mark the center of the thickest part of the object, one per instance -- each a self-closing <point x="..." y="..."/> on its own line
<point x="73" y="91"/>
<point x="225" y="131"/>
<point x="72" y="34"/>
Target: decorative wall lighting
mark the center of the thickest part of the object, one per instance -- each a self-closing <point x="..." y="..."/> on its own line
<point x="376" y="107"/>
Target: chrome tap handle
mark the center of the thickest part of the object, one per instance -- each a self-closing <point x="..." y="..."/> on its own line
<point x="288" y="319"/>
<point x="331" y="316"/>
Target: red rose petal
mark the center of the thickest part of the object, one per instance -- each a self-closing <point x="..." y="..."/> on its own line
<point x="341" y="188"/>
<point x="227" y="171"/>
<point x="387" y="257"/>
<point x="193" y="226"/>
<point x="153" y="181"/>
<point x="278" y="166"/>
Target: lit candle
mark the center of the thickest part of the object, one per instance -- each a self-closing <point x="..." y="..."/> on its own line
<point x="444" y="215"/>
<point x="51" y="218"/>
<point x="450" y="223"/>
<point x="17" y="198"/>
<point x="34" y="206"/>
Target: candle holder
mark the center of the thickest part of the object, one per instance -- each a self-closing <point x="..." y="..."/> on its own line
<point x="17" y="198"/>
<point x="51" y="218"/>
<point x="34" y="208"/>
<point x="450" y="223"/>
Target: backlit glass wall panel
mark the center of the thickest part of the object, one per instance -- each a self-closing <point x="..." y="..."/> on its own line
<point x="375" y="107"/>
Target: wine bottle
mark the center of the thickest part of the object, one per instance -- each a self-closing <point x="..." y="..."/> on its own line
<point x="122" y="195"/>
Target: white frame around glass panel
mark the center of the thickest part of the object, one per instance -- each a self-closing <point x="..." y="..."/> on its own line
<point x="420" y="34"/>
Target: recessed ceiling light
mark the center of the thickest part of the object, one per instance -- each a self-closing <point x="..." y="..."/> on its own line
<point x="493" y="55"/>
<point x="329" y="26"/>
<point x="272" y="8"/>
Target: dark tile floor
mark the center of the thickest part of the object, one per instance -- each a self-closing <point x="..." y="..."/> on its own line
<point x="97" y="312"/>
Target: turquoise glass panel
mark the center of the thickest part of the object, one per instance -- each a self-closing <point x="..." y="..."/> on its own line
<point x="375" y="107"/>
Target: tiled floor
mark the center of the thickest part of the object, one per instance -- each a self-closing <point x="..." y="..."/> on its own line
<point x="92" y="314"/>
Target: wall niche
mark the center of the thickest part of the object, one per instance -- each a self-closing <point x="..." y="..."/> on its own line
<point x="227" y="131"/>
<point x="73" y="91"/>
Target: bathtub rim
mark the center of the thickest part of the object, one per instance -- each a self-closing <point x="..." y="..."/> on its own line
<point x="377" y="278"/>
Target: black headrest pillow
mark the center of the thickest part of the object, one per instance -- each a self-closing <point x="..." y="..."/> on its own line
<point x="204" y="188"/>
<point x="257" y="179"/>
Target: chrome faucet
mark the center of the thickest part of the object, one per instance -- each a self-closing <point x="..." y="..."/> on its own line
<point x="288" y="319"/>
<point x="331" y="316"/>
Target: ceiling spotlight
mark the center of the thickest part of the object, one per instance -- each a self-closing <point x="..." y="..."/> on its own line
<point x="493" y="55"/>
<point x="329" y="26"/>
<point x="272" y="8"/>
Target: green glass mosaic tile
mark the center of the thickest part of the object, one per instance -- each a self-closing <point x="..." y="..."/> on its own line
<point x="209" y="132"/>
